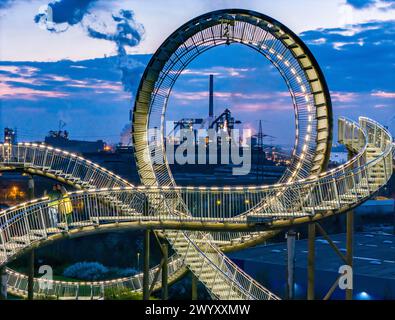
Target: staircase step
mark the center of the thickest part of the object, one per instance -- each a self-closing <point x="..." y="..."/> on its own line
<point x="11" y="245"/>
<point x="348" y="196"/>
<point x="3" y="255"/>
<point x="319" y="208"/>
<point x="25" y="239"/>
<point x="346" y="201"/>
<point x="117" y="218"/>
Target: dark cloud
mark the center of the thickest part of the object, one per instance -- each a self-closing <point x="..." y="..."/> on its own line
<point x="356" y="58"/>
<point x="67" y="12"/>
<point x="6" y="3"/>
<point x="362" y="4"/>
<point x="358" y="63"/>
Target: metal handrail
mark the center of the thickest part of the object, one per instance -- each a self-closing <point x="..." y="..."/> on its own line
<point x="41" y="155"/>
<point x="47" y="287"/>
<point x="266" y="293"/>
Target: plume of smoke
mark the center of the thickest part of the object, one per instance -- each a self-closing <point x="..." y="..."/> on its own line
<point x="126" y="135"/>
<point x="122" y="30"/>
<point x="126" y="33"/>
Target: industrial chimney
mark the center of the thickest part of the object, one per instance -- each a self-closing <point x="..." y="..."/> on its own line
<point x="211" y="98"/>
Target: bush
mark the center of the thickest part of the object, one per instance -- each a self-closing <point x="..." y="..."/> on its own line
<point x="45" y="297"/>
<point x="86" y="271"/>
<point x="121" y="294"/>
<point x="123" y="272"/>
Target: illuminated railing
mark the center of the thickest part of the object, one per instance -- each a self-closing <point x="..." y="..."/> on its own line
<point x="45" y="288"/>
<point x="69" y="166"/>
<point x="221" y="276"/>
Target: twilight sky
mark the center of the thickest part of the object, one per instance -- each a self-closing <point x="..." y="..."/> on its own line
<point x="52" y="72"/>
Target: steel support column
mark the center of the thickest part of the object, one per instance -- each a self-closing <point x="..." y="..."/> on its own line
<point x="30" y="187"/>
<point x="3" y="283"/>
<point x="146" y="264"/>
<point x="311" y="262"/>
<point x="165" y="272"/>
<point x="349" y="242"/>
<point x="194" y="286"/>
<point x="291" y="238"/>
<point x="30" y="280"/>
<point x="349" y="247"/>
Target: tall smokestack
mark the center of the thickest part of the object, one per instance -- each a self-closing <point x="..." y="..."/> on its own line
<point x="211" y="101"/>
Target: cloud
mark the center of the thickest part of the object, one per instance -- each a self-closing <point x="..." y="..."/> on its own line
<point x="383" y="94"/>
<point x="18" y="70"/>
<point x="99" y="86"/>
<point x="8" y="92"/>
<point x="357" y="57"/>
<point x="227" y="95"/>
<point x="360" y="4"/>
<point x="219" y="72"/>
<point x="125" y="31"/>
<point x="272" y="106"/>
<point x="380" y="106"/>
<point x="6" y="3"/>
<point x="25" y="82"/>
<point x="344" y="96"/>
<point x="364" y="4"/>
<point x="59" y="15"/>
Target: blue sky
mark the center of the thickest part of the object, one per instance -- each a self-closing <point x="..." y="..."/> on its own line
<point x="47" y="76"/>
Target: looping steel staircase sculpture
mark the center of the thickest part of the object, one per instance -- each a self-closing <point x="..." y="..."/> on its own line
<point x="232" y="217"/>
<point x="27" y="225"/>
